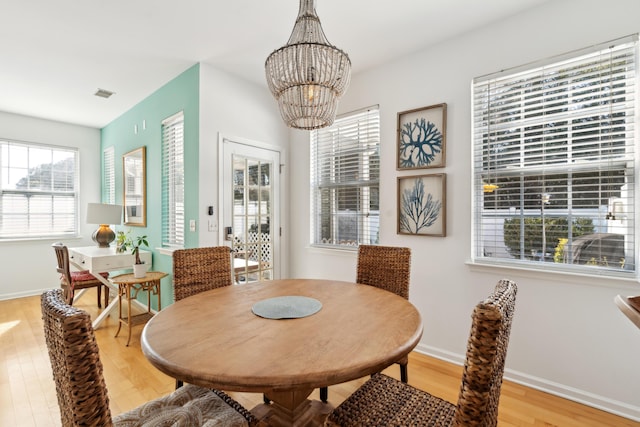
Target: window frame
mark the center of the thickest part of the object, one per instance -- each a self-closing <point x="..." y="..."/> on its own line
<point x="345" y="174"/>
<point x="109" y="175"/>
<point x="526" y="164"/>
<point x="44" y="222"/>
<point x="173" y="213"/>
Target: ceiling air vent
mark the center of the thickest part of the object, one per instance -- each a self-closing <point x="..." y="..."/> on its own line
<point x="102" y="93"/>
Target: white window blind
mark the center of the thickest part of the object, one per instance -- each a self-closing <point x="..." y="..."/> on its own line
<point x="554" y="162"/>
<point x="38" y="191"/>
<point x="173" y="181"/>
<point x="345" y="176"/>
<point x="109" y="176"/>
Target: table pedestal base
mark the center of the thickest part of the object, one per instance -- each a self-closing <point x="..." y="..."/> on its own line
<point x="292" y="409"/>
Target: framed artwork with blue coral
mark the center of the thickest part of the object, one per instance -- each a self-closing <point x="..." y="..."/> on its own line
<point x="422" y="137"/>
<point x="422" y="205"/>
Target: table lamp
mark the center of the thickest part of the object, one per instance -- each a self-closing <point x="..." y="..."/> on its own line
<point x="103" y="214"/>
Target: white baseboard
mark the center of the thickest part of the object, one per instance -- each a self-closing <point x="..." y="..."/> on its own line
<point x="589" y="399"/>
<point x="29" y="293"/>
<point x="32" y="293"/>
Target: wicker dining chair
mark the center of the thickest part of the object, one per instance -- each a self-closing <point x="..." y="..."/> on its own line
<point x="198" y="270"/>
<point x="385" y="267"/>
<point x="388" y="268"/>
<point x="82" y="392"/>
<point x="70" y="281"/>
<point x="385" y="401"/>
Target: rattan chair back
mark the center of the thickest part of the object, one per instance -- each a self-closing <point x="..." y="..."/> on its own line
<point x="77" y="370"/>
<point x="82" y="392"/>
<point x="200" y="269"/>
<point x="386" y="267"/>
<point x="485" y="359"/>
<point x="384" y="401"/>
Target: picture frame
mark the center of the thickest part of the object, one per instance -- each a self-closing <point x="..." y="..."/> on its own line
<point x="422" y="205"/>
<point x="421" y="138"/>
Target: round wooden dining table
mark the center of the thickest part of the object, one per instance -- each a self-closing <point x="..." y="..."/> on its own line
<point x="215" y="340"/>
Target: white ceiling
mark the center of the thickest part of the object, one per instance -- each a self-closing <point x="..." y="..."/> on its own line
<point x="54" y="55"/>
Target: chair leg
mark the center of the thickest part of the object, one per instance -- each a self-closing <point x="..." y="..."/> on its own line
<point x="106" y="296"/>
<point x="178" y="384"/>
<point x="265" y="399"/>
<point x="70" y="295"/>
<point x="404" y="375"/>
<point x="324" y="394"/>
<point x="99" y="296"/>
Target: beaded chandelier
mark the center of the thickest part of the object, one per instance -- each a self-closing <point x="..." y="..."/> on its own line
<point x="307" y="76"/>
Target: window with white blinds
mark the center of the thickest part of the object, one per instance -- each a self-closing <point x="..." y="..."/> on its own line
<point x="38" y="191"/>
<point x="108" y="176"/>
<point x="345" y="176"/>
<point x="554" y="162"/>
<point x="173" y="181"/>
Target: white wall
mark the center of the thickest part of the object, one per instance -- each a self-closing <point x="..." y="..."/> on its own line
<point x="236" y="109"/>
<point x="28" y="267"/>
<point x="568" y="336"/>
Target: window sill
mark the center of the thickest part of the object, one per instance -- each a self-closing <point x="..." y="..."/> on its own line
<point x="28" y="240"/>
<point x="595" y="278"/>
<point x="333" y="250"/>
<point x="167" y="251"/>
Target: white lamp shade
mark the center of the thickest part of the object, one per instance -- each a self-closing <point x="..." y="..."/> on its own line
<point x="101" y="213"/>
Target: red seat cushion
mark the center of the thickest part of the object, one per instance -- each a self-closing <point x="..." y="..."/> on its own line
<point x="84" y="275"/>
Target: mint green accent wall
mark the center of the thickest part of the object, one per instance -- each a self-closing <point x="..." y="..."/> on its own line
<point x="180" y="94"/>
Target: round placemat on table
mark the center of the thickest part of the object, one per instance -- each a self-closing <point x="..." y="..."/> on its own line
<point x="286" y="307"/>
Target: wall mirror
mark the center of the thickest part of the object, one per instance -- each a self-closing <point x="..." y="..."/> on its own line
<point x="134" y="172"/>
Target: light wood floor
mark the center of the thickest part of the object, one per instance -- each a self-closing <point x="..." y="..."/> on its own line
<point x="28" y="396"/>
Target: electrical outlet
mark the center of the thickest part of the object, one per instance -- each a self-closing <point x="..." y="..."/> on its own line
<point x="192" y="225"/>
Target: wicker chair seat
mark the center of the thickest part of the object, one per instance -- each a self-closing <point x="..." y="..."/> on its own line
<point x="188" y="406"/>
<point x="384" y="401"/>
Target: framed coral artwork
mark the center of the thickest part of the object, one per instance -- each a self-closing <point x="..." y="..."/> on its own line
<point x="422" y="205"/>
<point x="422" y="137"/>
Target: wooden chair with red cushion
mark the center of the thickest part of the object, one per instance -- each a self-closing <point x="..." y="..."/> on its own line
<point x="70" y="281"/>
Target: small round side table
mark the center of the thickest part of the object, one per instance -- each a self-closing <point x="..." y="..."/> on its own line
<point x="126" y="283"/>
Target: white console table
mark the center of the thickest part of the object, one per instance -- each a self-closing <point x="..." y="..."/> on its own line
<point x="97" y="260"/>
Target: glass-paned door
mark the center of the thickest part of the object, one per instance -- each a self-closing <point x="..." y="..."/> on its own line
<point x="250" y="210"/>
